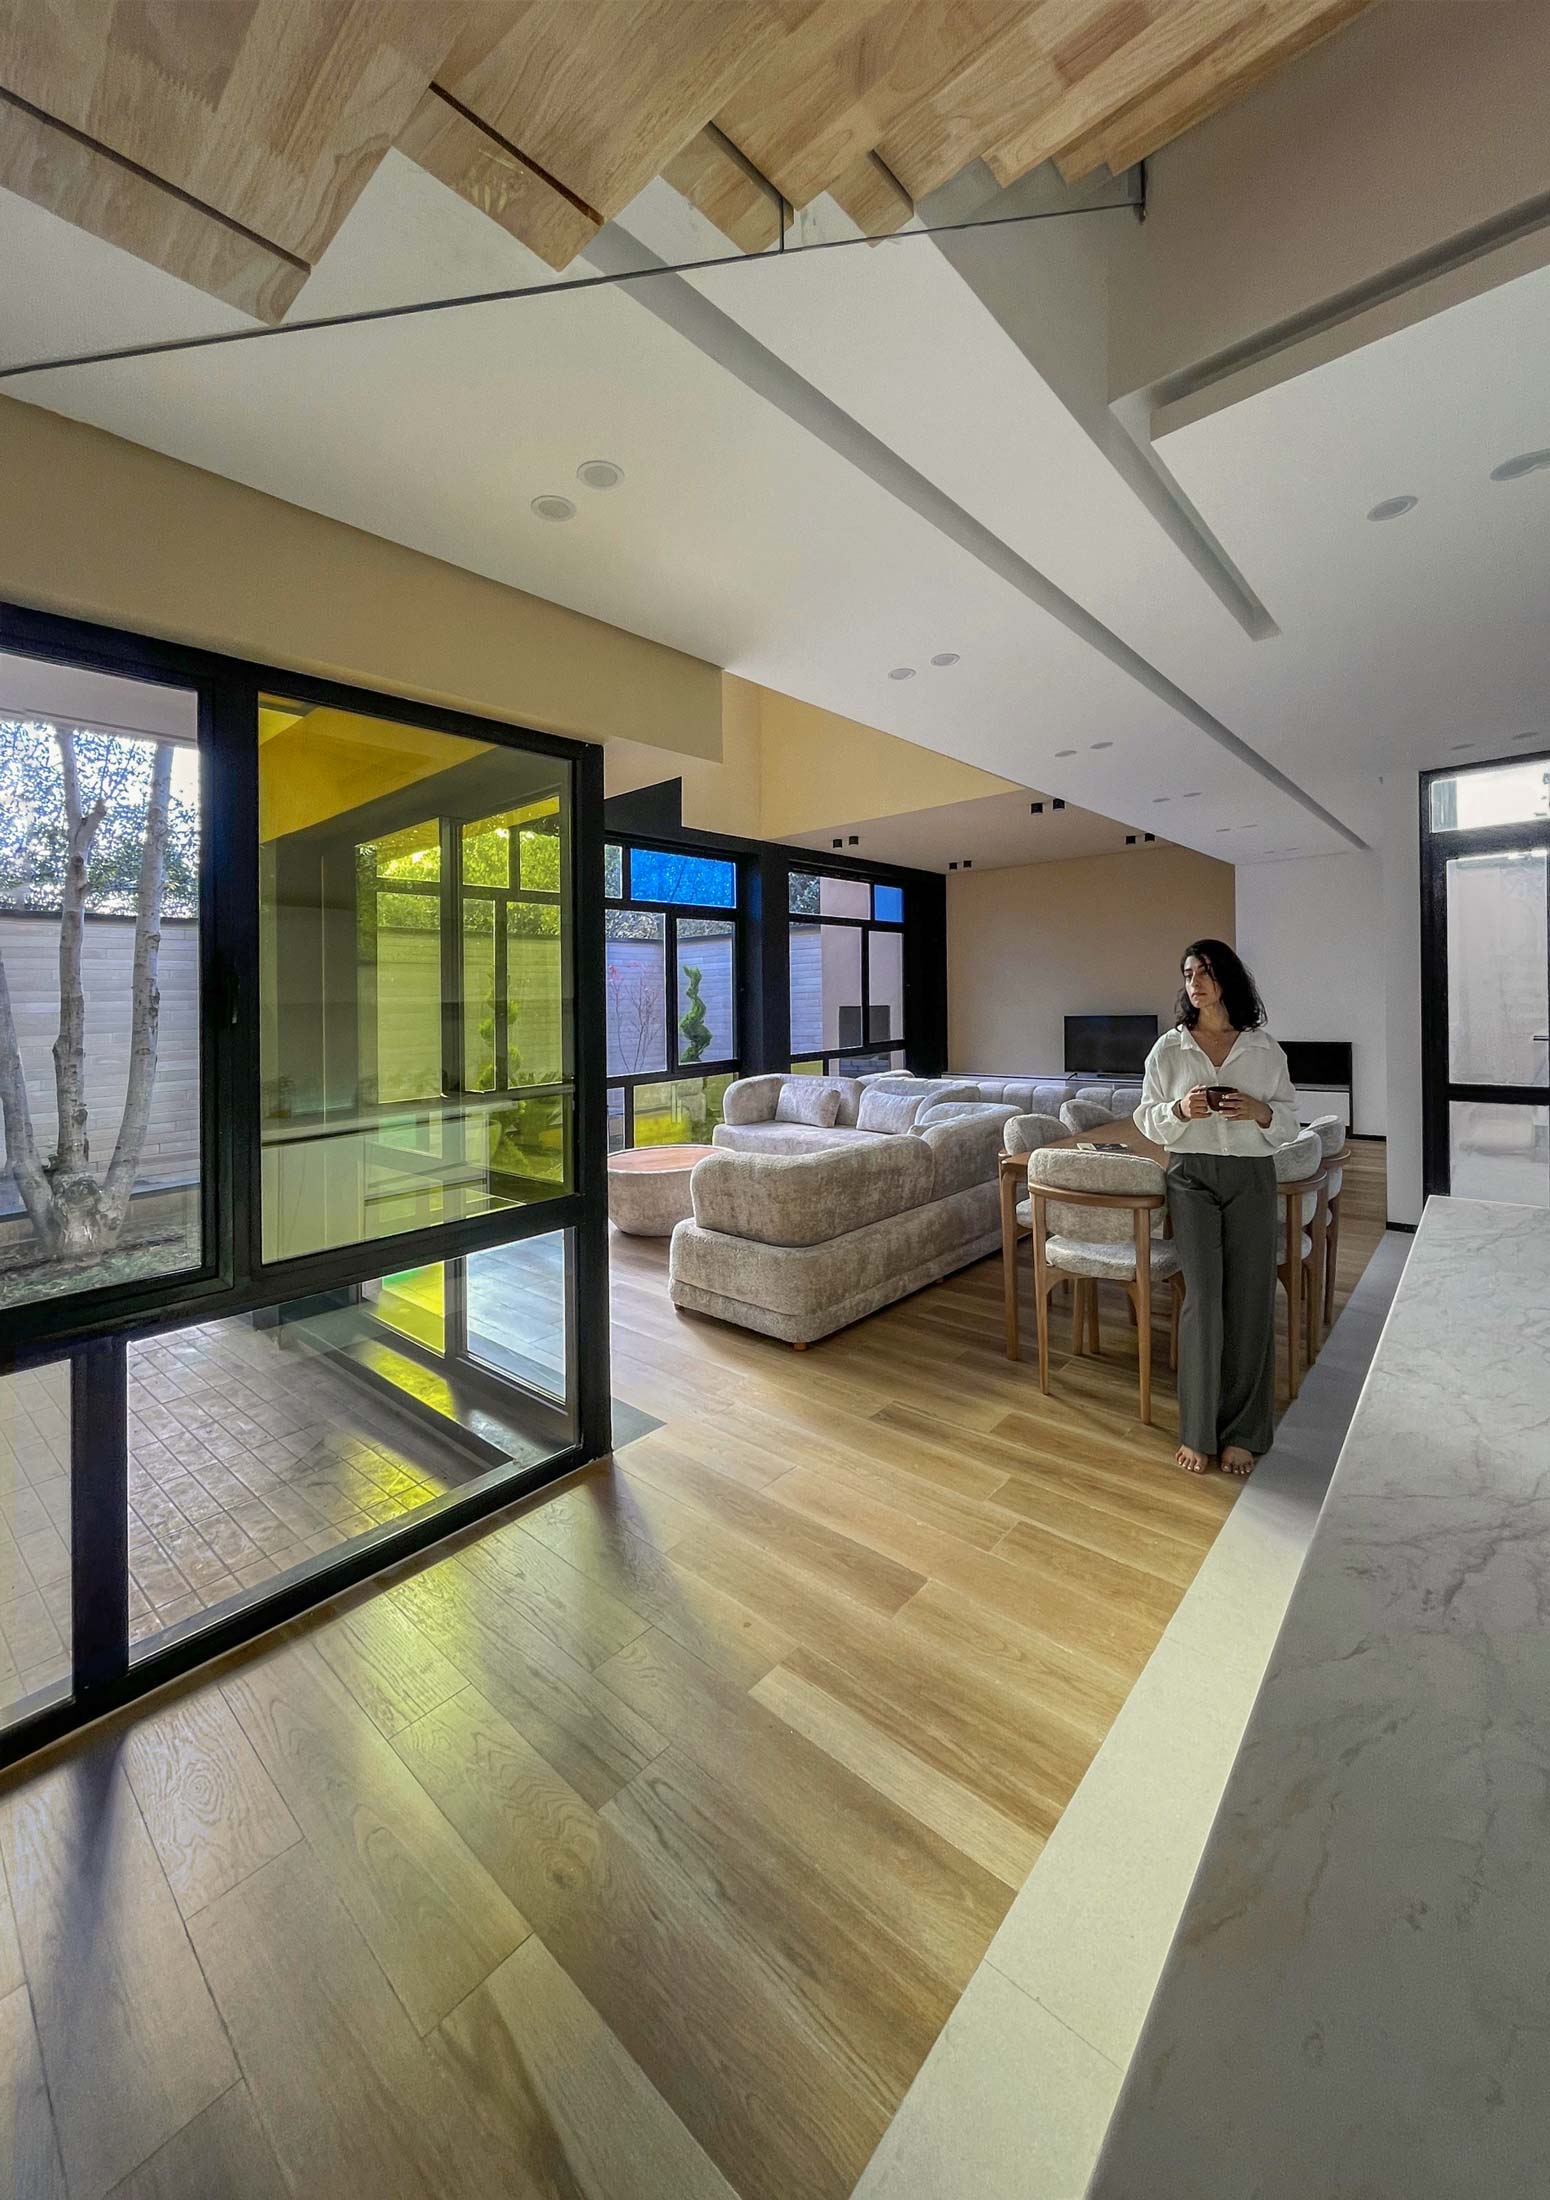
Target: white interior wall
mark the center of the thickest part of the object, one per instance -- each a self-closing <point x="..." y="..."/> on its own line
<point x="1312" y="933"/>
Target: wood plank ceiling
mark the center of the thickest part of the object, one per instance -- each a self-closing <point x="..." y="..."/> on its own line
<point x="227" y="143"/>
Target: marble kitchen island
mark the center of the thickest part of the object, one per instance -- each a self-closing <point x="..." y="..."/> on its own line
<point x="1356" y="2005"/>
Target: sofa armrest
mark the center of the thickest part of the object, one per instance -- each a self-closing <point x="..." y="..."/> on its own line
<point x="751" y="1099"/>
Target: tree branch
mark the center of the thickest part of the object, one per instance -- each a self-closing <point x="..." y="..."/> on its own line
<point x="70" y="1149"/>
<point x="21" y="1146"/>
<point x="145" y="995"/>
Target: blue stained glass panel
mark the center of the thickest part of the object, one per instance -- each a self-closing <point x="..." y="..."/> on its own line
<point x="888" y="904"/>
<point x="657" y="874"/>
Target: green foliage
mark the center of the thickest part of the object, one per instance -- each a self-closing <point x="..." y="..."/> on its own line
<point x="693" y="1025"/>
<point x="115" y="770"/>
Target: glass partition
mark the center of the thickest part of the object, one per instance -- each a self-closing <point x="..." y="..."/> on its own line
<point x="417" y="1003"/>
<point x="847" y="984"/>
<point x="34" y="1538"/>
<point x="672" y="984"/>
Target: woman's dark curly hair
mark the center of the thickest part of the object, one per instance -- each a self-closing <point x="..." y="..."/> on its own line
<point x="1241" y="1003"/>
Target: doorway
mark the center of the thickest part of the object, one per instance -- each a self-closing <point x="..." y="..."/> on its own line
<point x="1485" y="881"/>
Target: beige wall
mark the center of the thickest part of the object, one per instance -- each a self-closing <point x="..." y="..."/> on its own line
<point x="1101" y="935"/>
<point x="103" y="529"/>
<point x="820" y="769"/>
<point x="788" y="767"/>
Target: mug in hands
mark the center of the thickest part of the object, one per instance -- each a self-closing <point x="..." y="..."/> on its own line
<point x="1217" y="1097"/>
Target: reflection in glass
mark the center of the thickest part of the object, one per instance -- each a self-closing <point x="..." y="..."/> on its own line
<point x="99" y="982"/>
<point x="416" y="1000"/>
<point x="1498" y="969"/>
<point x="885" y="987"/>
<point x="707" y="990"/>
<point x="825" y="987"/>
<point x="517" y="1311"/>
<point x="888" y="904"/>
<point x="263" y="1445"/>
<point x="34" y="1539"/>
<point x="658" y="874"/>
<point x="635" y="982"/>
<point x="1499" y="1151"/>
<point x="1499" y="794"/>
<point x="682" y="1112"/>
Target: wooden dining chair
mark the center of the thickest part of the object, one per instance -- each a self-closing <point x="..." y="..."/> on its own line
<point x="1335" y="1140"/>
<point x="1020" y="1134"/>
<point x="1301" y="1180"/>
<point x="1097" y="1218"/>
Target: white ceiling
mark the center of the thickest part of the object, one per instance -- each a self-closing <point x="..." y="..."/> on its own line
<point x="990" y="834"/>
<point x="879" y="474"/>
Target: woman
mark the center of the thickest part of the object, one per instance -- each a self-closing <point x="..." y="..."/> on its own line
<point x="1219" y="1095"/>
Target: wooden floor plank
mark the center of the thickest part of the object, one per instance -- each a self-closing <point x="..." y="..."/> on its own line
<point x="552" y="2082"/>
<point x="131" y="2044"/>
<point x="591" y="1739"/>
<point x="223" y="2152"/>
<point x="27" y="2137"/>
<point x="758" y="2095"/>
<point x="11" y="1973"/>
<point x="431" y="1915"/>
<point x="583" y="1622"/>
<point x="209" y="1806"/>
<point x="938" y="1801"/>
<point x="351" y="2099"/>
<point x="389" y="1667"/>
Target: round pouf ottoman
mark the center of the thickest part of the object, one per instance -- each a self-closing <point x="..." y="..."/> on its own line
<point x="648" y="1188"/>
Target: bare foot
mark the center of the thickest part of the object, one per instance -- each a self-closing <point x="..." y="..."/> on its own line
<point x="1235" y="1460"/>
<point x="1192" y="1461"/>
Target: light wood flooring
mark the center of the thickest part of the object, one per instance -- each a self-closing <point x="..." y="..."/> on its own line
<point x="638" y="1846"/>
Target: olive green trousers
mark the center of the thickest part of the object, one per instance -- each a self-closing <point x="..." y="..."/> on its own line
<point x="1223" y="1209"/>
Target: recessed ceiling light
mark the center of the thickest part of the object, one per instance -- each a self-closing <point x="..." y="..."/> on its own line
<point x="1100" y="744"/>
<point x="1393" y="507"/>
<point x="945" y="657"/>
<point x="599" y="473"/>
<point x="1065" y="752"/>
<point x="1526" y="462"/>
<point x="553" y="507"/>
<point x="902" y="672"/>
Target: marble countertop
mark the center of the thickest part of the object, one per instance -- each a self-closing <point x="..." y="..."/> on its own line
<point x="1357" y="2002"/>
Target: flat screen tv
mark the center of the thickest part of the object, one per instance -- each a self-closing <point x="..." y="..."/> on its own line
<point x="1109" y="1046"/>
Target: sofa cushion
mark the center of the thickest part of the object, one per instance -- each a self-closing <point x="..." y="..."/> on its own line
<point x="807" y="1100"/>
<point x="786" y="1137"/>
<point x="885" y="1109"/>
<point x="803" y="1282"/>
<point x="1049" y="1095"/>
<point x="966" y="1150"/>
<point x="751" y="1099"/>
<point x="803" y="1199"/>
<point x="954" y="1111"/>
<point x="849" y="1090"/>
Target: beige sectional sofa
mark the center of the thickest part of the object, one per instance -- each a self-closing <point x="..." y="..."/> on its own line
<point x="783" y="1114"/>
<point x="796" y="1243"/>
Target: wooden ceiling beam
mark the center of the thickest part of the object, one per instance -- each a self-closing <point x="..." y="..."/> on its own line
<point x="1277" y="33"/>
<point x="493" y="176"/>
<point x="63" y="172"/>
<point x="874" y="199"/>
<point x="834" y="87"/>
<point x="1176" y="35"/>
<point x="714" y="178"/>
<point x="1014" y="75"/>
<point x="601" y="94"/>
<point x="273" y="113"/>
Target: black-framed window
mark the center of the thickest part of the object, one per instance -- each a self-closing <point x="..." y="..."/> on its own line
<point x="1485" y="887"/>
<point x="848" y="973"/>
<point x="386" y="952"/>
<point x="674" y="990"/>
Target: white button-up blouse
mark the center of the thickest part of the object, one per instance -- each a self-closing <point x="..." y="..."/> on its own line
<point x="1256" y="1066"/>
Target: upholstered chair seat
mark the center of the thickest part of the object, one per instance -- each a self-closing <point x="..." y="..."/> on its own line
<point x="1099" y="1218"/>
<point x="1085" y="1115"/>
<point x="1026" y="1133"/>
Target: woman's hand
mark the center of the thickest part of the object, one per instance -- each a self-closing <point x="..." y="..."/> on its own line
<point x="1242" y="1107"/>
<point x="1194" y="1105"/>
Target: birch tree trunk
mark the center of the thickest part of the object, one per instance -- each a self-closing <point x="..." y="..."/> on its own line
<point x="21" y="1145"/>
<point x="76" y="1194"/>
<point x="145" y="995"/>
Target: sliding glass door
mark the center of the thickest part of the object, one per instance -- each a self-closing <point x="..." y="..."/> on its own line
<point x="303" y="1213"/>
<point x="1486" y="1031"/>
